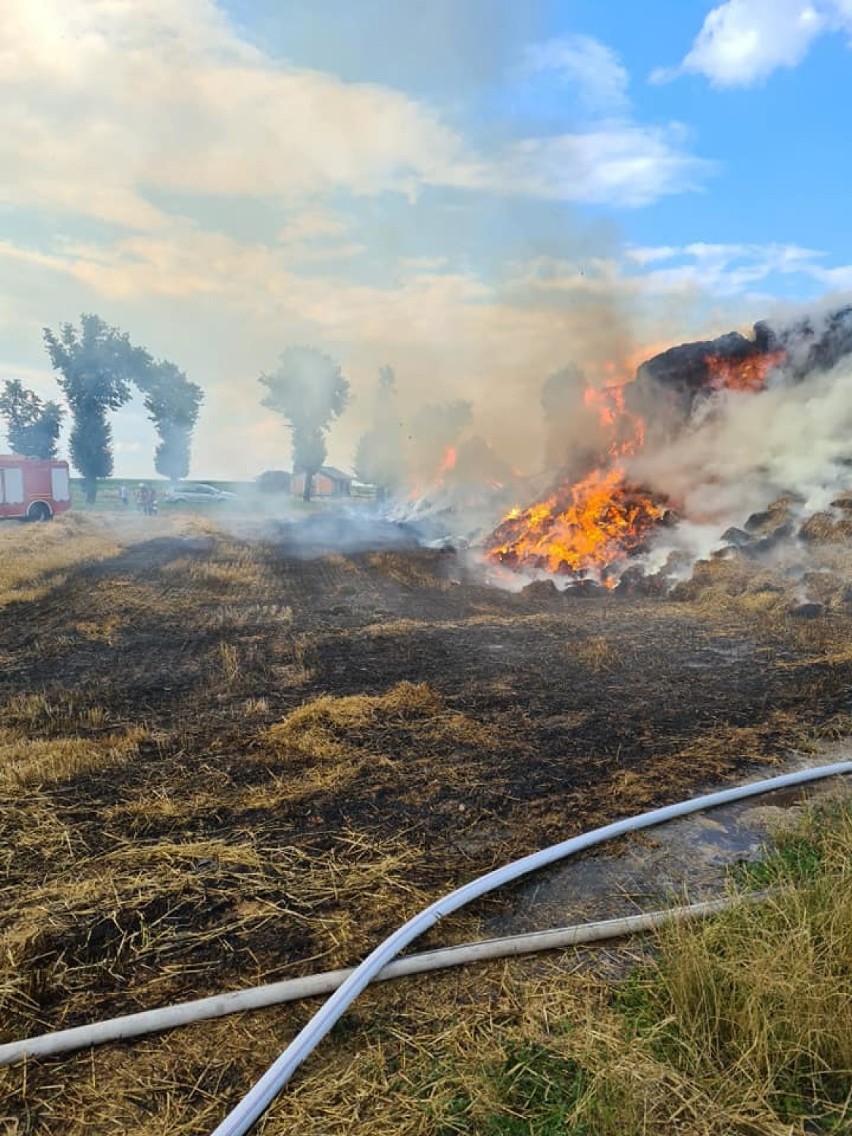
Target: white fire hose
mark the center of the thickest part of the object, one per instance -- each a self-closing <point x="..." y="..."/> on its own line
<point x="310" y="985"/>
<point x="262" y="1094"/>
<point x="379" y="966"/>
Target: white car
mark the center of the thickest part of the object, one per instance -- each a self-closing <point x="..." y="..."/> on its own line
<point x="198" y="493"/>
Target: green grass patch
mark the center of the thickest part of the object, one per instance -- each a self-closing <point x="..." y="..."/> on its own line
<point x="796" y="859"/>
<point x="531" y="1091"/>
<point x="740" y="1025"/>
<point x="755" y="1006"/>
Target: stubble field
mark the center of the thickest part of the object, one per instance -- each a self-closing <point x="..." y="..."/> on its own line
<point x="224" y="764"/>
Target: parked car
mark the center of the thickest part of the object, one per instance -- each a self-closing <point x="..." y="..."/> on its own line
<point x="198" y="493"/>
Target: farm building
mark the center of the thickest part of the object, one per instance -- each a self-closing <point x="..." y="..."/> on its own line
<point x="274" y="481"/>
<point x="327" y="482"/>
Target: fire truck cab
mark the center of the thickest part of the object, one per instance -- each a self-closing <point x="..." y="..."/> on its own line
<point x="32" y="489"/>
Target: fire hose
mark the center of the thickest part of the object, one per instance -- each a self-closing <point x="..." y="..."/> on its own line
<point x="262" y="1094"/>
<point x="378" y="966"/>
<point x="311" y="985"/>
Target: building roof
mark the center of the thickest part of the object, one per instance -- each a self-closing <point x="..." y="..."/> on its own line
<point x="334" y="473"/>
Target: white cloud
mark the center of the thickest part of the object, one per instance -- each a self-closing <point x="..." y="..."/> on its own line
<point x="620" y="163"/>
<point x="837" y="279"/>
<point x="615" y="162"/>
<point x="743" y="41"/>
<point x="107" y="103"/>
<point x="721" y="271"/>
<point x="586" y="63"/>
<point x="725" y="270"/>
<point x="613" y="159"/>
<point x="309" y="224"/>
<point x="104" y="100"/>
<point x="643" y="256"/>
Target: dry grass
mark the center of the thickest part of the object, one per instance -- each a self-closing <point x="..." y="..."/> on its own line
<point x="229" y="657"/>
<point x="45" y="761"/>
<point x="34" y="558"/>
<point x="330" y="742"/>
<point x="420" y="573"/>
<point x="331" y="728"/>
<point x="68" y="713"/>
<point x="159" y="919"/>
<point x="598" y="654"/>
<point x="736" y="1030"/>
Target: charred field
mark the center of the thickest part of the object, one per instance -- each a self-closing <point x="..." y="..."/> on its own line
<point x="224" y="764"/>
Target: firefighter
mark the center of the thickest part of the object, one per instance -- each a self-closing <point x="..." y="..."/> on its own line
<point x="145" y="500"/>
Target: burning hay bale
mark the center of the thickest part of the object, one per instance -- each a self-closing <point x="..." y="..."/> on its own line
<point x="677" y="378"/>
<point x="670" y="447"/>
<point x="580" y="529"/>
<point x="541" y="590"/>
<point x="741" y="580"/>
<point x="780" y="512"/>
<point x="753" y="545"/>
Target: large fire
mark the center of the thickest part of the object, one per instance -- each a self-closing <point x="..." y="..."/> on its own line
<point x="749" y="374"/>
<point x="589" y="527"/>
<point x="583" y="528"/>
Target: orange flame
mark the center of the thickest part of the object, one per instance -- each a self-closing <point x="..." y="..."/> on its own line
<point x="422" y="483"/>
<point x="593" y="524"/>
<point x="742" y="374"/>
<point x="448" y="461"/>
<point x="580" y="528"/>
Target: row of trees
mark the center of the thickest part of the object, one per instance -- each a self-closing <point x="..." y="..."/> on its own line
<point x="97" y="368"/>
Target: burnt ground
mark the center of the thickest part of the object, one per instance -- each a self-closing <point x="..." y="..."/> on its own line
<point x="165" y="836"/>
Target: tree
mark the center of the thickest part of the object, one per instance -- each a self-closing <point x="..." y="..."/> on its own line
<point x="173" y="403"/>
<point x="96" y="366"/>
<point x="309" y="390"/>
<point x="32" y="425"/>
<point x="379" y="457"/>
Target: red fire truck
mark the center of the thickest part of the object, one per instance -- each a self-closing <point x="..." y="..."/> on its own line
<point x="33" y="489"/>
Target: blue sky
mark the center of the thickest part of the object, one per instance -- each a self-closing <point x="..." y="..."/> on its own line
<point x="475" y="191"/>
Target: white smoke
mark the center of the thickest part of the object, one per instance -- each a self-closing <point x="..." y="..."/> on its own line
<point x="744" y="451"/>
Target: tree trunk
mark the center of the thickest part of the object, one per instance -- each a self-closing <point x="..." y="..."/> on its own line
<point x="309" y="484"/>
<point x="91" y="486"/>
